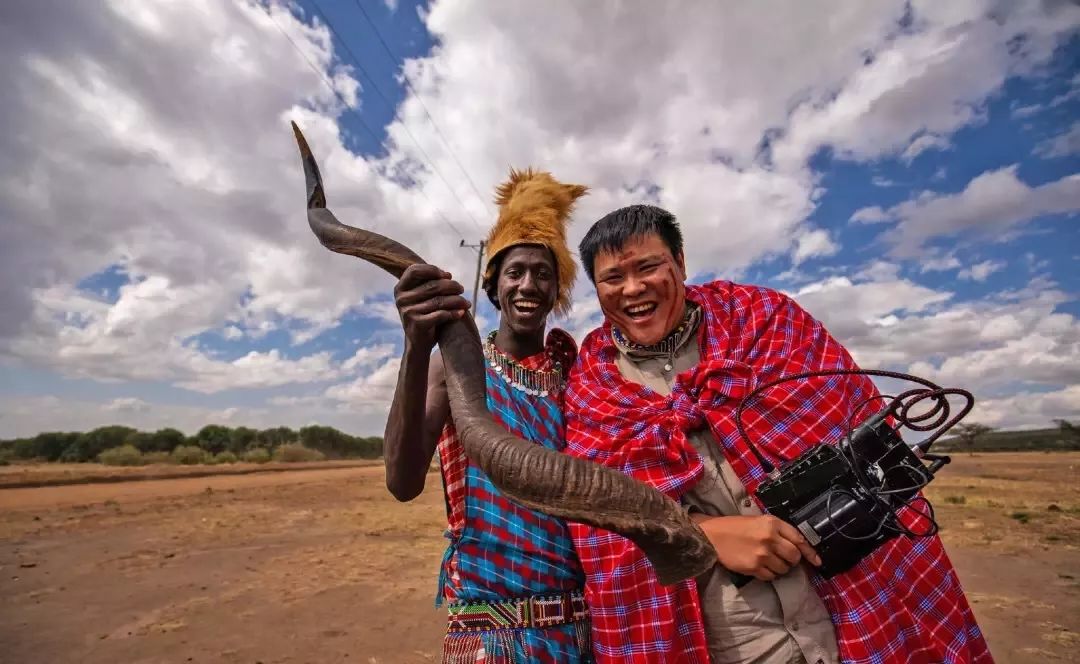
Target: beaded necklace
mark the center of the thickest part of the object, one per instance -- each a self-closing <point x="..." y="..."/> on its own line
<point x="669" y="345"/>
<point x="534" y="382"/>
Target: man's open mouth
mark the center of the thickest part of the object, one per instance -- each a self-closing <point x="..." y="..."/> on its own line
<point x="640" y="311"/>
<point x="526" y="307"/>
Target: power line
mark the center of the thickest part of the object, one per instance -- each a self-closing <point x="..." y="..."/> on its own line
<point x="322" y="76"/>
<point x="390" y="105"/>
<point x="359" y="117"/>
<point x="418" y="98"/>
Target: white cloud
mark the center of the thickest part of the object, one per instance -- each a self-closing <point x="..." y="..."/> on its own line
<point x="869" y="215"/>
<point x="1026" y="111"/>
<point x="257" y="370"/>
<point x="992" y="202"/>
<point x="185" y="176"/>
<point x="857" y="312"/>
<point x="1062" y="145"/>
<point x="878" y="270"/>
<point x="980" y="271"/>
<point x="922" y="144"/>
<point x="1028" y="409"/>
<point x="1018" y="338"/>
<point x="938" y="263"/>
<point x="366" y="356"/>
<point x="1071" y="94"/>
<point x="373" y="390"/>
<point x="932" y="79"/>
<point x="127" y="405"/>
<point x="813" y="244"/>
<point x="232" y="332"/>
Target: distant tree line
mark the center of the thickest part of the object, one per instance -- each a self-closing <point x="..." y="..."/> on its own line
<point x="980" y="438"/>
<point x="214" y="440"/>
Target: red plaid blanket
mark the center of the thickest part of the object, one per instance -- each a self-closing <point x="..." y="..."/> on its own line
<point x="903" y="604"/>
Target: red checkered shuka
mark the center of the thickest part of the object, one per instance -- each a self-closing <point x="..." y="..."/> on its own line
<point x="902" y="604"/>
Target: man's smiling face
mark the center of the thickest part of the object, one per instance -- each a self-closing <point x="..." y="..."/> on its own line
<point x="641" y="288"/>
<point x="527" y="287"/>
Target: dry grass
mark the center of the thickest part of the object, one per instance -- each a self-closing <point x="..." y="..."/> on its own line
<point x="1011" y="501"/>
<point x="47" y="474"/>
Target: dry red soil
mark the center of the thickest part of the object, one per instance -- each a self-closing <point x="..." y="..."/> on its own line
<point x="322" y="565"/>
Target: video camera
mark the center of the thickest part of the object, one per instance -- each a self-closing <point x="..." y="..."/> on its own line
<point x="845" y="497"/>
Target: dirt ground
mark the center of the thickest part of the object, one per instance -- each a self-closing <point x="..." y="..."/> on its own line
<point x="321" y="565"/>
<point x="55" y="474"/>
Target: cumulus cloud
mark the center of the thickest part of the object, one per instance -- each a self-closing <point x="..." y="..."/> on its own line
<point x="992" y="202"/>
<point x="812" y="244"/>
<point x="376" y="388"/>
<point x="1019" y="337"/>
<point x="922" y="144"/>
<point x="1028" y="409"/>
<point x="980" y="271"/>
<point x="1072" y="93"/>
<point x="1062" y="145"/>
<point x="169" y="156"/>
<point x="870" y="215"/>
<point x="366" y="356"/>
<point x="932" y="79"/>
<point x="939" y="263"/>
<point x="127" y="405"/>
<point x="1021" y="112"/>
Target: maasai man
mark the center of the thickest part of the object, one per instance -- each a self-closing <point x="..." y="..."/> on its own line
<point x="654" y="394"/>
<point x="510" y="577"/>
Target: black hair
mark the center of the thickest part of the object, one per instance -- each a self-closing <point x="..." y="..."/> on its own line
<point x="491" y="285"/>
<point x="613" y="231"/>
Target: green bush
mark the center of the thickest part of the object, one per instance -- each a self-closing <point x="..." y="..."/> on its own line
<point x="294" y="452"/>
<point x="123" y="455"/>
<point x="188" y="455"/>
<point x="166" y="440"/>
<point x="224" y="457"/>
<point x="257" y="455"/>
<point x="271" y="438"/>
<point x="156" y="457"/>
<point x="89" y="445"/>
<point x="240" y="439"/>
<point x="213" y="438"/>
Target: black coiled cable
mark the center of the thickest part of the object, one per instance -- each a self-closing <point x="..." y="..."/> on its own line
<point x="900" y="408"/>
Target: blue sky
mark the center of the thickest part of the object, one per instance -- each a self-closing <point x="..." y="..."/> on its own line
<point x="909" y="172"/>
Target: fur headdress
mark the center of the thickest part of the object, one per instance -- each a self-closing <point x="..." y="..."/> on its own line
<point x="534" y="208"/>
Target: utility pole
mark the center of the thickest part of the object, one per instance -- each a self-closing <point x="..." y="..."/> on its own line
<point x="479" y="263"/>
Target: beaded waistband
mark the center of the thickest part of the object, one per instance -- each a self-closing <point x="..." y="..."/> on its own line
<point x="537" y="611"/>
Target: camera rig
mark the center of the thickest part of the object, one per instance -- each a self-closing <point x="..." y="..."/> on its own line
<point x="845" y="497"/>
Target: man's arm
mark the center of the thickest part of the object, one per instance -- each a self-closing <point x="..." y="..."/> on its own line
<point x="426" y="298"/>
<point x="417" y="415"/>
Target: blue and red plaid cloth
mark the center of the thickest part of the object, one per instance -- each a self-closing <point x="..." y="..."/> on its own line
<point x="903" y="604"/>
<point x="498" y="549"/>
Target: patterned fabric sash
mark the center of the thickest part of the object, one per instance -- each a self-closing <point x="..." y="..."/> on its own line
<point x="524" y="612"/>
